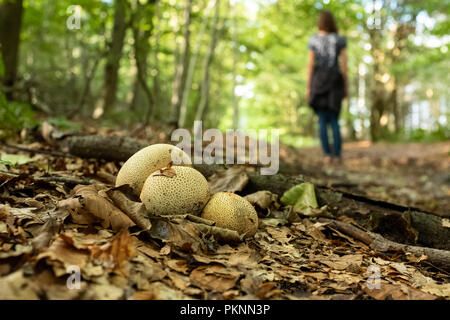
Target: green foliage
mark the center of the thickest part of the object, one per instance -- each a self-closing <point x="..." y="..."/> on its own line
<point x="420" y="135"/>
<point x="272" y="38"/>
<point x="441" y="133"/>
<point x="64" y="124"/>
<point x="14" y="116"/>
<point x="123" y="118"/>
<point x="301" y="197"/>
<point x="15" y="159"/>
<point x="5" y="162"/>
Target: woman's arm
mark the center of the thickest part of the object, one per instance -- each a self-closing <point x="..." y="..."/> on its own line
<point x="344" y="70"/>
<point x="310" y="70"/>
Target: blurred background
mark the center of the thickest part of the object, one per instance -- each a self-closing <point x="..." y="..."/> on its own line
<point x="231" y="63"/>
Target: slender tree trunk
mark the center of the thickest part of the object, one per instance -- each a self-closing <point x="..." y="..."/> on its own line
<point x="111" y="76"/>
<point x="181" y="71"/>
<point x="141" y="51"/>
<point x="378" y="90"/>
<point x="235" y="62"/>
<point x="87" y="86"/>
<point x="157" y="94"/>
<point x="10" y="25"/>
<point x="191" y="68"/>
<point x="141" y="54"/>
<point x="205" y="86"/>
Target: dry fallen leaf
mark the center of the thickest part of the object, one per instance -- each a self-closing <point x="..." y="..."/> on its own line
<point x="101" y="207"/>
<point x="214" y="277"/>
<point x="398" y="292"/>
<point x="62" y="254"/>
<point x="262" y="199"/>
<point x="115" y="254"/>
<point x="229" y="180"/>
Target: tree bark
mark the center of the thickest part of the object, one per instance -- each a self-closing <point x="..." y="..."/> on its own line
<point x="377" y="92"/>
<point x="10" y="26"/>
<point x="191" y="68"/>
<point x="156" y="89"/>
<point x="87" y="85"/>
<point x="113" y="59"/>
<point x="181" y="71"/>
<point x="205" y="86"/>
<point x="141" y="51"/>
<point x="235" y="62"/>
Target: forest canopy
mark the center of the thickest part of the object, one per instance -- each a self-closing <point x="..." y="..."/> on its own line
<point x="232" y="64"/>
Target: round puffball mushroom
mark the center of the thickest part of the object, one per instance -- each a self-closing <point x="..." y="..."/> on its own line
<point x="175" y="190"/>
<point x="148" y="160"/>
<point x="232" y="211"/>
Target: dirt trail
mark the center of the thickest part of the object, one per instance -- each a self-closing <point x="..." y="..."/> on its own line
<point x="413" y="174"/>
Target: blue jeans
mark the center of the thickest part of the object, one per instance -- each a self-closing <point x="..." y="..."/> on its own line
<point x="326" y="118"/>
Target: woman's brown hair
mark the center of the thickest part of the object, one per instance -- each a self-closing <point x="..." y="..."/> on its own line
<point x="326" y="22"/>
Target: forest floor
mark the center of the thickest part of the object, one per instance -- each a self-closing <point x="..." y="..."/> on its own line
<point x="50" y="229"/>
<point x="409" y="174"/>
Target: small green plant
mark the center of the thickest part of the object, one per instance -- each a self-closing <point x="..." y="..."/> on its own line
<point x="63" y="123"/>
<point x="15" y="116"/>
<point x="6" y="162"/>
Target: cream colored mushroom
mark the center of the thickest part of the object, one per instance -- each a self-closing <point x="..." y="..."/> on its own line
<point x="233" y="212"/>
<point x="146" y="161"/>
<point x="175" y="190"/>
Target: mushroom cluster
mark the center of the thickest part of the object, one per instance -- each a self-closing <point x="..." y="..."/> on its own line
<point x="163" y="178"/>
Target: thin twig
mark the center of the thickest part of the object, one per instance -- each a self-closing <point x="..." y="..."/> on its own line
<point x="51" y="178"/>
<point x="40" y="151"/>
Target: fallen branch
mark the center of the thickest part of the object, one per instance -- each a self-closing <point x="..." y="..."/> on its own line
<point x="380" y="244"/>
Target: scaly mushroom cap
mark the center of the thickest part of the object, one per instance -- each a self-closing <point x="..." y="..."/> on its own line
<point x="175" y="190"/>
<point x="232" y="211"/>
<point x="146" y="161"/>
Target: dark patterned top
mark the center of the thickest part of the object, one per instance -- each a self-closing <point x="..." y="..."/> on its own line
<point x="327" y="84"/>
<point x="326" y="48"/>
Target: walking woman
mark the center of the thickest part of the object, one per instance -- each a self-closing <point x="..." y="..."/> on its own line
<point x="327" y="82"/>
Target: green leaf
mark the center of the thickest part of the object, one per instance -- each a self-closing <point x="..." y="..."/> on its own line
<point x="15" y="159"/>
<point x="301" y="197"/>
<point x="9" y="163"/>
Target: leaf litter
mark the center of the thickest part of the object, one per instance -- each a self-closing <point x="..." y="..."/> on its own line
<point x="47" y="228"/>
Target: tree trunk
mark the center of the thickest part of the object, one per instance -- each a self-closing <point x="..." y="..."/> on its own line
<point x="191" y="68"/>
<point x="205" y="86"/>
<point x="142" y="90"/>
<point x="156" y="90"/>
<point x="235" y="61"/>
<point x="378" y="91"/>
<point x="87" y="86"/>
<point x="10" y="25"/>
<point x="111" y="76"/>
<point x="181" y="70"/>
